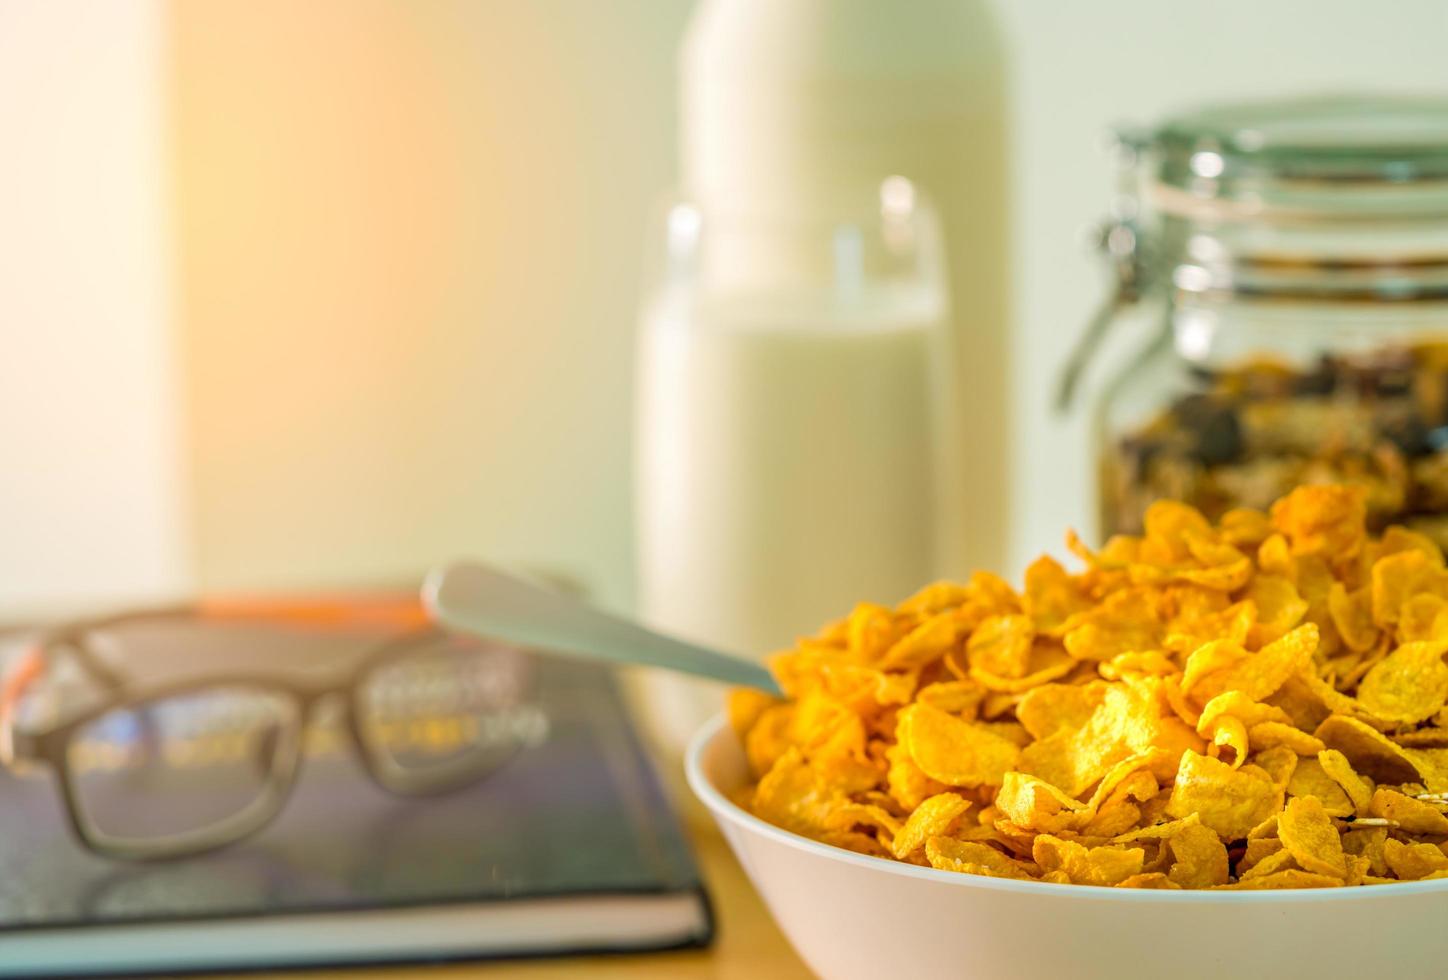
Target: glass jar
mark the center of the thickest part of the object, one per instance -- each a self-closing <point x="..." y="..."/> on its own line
<point x="1287" y="264"/>
<point x="791" y="423"/>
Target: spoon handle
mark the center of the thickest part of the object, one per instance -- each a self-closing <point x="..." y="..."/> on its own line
<point x="474" y="598"/>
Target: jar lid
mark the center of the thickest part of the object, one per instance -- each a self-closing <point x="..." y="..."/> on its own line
<point x="1335" y="158"/>
<point x="1327" y="200"/>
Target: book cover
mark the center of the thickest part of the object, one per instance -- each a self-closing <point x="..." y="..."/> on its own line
<point x="571" y="846"/>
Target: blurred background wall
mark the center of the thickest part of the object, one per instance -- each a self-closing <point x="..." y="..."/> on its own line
<point x="408" y="238"/>
<point x="386" y="257"/>
<point x="93" y="500"/>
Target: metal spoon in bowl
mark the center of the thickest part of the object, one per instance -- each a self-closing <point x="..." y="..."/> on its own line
<point x="473" y="598"/>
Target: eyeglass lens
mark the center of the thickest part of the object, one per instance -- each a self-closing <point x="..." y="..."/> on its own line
<point x="447" y="709"/>
<point x="198" y="760"/>
<point x="209" y="763"/>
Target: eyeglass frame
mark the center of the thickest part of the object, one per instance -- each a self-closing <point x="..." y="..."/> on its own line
<point x="51" y="746"/>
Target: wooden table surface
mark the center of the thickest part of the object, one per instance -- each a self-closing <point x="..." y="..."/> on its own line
<point x="747" y="944"/>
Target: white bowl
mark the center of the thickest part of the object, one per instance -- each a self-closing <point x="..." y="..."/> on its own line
<point x="849" y="915"/>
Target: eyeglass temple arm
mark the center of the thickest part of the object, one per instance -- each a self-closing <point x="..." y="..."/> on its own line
<point x="404" y="612"/>
<point x="28" y="668"/>
<point x="23" y="673"/>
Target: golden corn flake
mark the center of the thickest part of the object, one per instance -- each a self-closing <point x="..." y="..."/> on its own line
<point x="1159" y="831"/>
<point x="1308" y="834"/>
<point x="1118" y="814"/>
<point x="1244" y="527"/>
<point x="1087" y="866"/>
<point x="1278" y="762"/>
<point x="1045" y="661"/>
<point x="1238" y="704"/>
<point x="1051" y="708"/>
<point x="1309" y="780"/>
<point x="1412" y="862"/>
<point x="1257" y="704"/>
<point x="1336" y="767"/>
<point x="961" y="698"/>
<point x="1397" y="578"/>
<point x="932" y="818"/>
<point x="1229" y="801"/>
<point x="928" y="642"/>
<point x="1216" y="657"/>
<point x="769" y="737"/>
<point x="1432" y="767"/>
<point x="1291" y="878"/>
<point x="1419" y="618"/>
<point x="1171" y="526"/>
<point x="905" y="783"/>
<point x="972" y="857"/>
<point x="1226" y="719"/>
<point x="1368" y="750"/>
<point x="1257" y="850"/>
<point x="745" y="707"/>
<point x="932" y="599"/>
<point x="1121" y="624"/>
<point x="1275" y="734"/>
<point x="1001" y="645"/>
<point x="1052" y="596"/>
<point x="1150" y="880"/>
<point x="1034" y="804"/>
<point x="1279" y="606"/>
<point x="953" y="751"/>
<point x="1229" y="740"/>
<point x="1129" y="722"/>
<point x="795" y="797"/>
<point x="1409" y="685"/>
<point x="1256" y="675"/>
<point x="1199" y="858"/>
<point x="1142" y="663"/>
<point x="1398" y="538"/>
<point x="1322" y="520"/>
<point x="1274" y="557"/>
<point x="1410" y="815"/>
<point x="1352" y="616"/>
<point x="1368" y="843"/>
<point x="871" y="630"/>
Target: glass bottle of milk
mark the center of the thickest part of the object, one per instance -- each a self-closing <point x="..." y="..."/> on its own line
<point x="789" y="423"/>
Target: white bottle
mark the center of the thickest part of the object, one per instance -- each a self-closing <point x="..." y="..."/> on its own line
<point x="797" y="105"/>
<point x="800" y="448"/>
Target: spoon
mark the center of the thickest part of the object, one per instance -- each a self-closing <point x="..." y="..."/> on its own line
<point x="473" y="598"/>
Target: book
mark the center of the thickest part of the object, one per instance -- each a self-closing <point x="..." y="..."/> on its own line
<point x="570" y="847"/>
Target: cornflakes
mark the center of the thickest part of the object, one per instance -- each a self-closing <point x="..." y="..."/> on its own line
<point x="1408" y="814"/>
<point x="975" y="858"/>
<point x="1336" y="767"/>
<point x="1310" y="780"/>
<point x="1199" y="858"/>
<point x="1308" y="834"/>
<point x="1411" y="862"/>
<point x="952" y="751"/>
<point x="1257" y="704"/>
<point x="932" y="818"/>
<point x="1409" y="685"/>
<point x="1229" y="801"/>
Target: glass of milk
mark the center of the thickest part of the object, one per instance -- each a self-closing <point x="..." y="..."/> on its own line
<point x="789" y="425"/>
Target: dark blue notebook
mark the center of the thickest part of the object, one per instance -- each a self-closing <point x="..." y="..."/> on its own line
<point x="570" y="847"/>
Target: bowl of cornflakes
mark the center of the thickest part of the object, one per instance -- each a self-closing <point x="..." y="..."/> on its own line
<point x="1212" y="750"/>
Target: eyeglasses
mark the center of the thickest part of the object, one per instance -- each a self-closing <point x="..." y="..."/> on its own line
<point x="157" y="770"/>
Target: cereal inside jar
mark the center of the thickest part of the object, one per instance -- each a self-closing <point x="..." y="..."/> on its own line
<point x="1286" y="265"/>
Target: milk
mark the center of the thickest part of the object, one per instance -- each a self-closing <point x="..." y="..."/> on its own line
<point x="813" y="429"/>
<point x="791" y="107"/>
<point x="786" y="468"/>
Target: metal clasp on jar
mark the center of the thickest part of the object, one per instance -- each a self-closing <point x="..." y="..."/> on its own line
<point x="1119" y="239"/>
